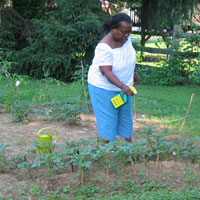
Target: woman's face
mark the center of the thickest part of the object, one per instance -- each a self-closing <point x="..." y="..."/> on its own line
<point x="122" y="32"/>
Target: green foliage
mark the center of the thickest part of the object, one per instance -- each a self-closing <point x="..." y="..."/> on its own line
<point x="68" y="35"/>
<point x="20" y="111"/>
<point x="30" y="9"/>
<point x="157" y="15"/>
<point x="3" y="159"/>
<point x="181" y="68"/>
<point x="27" y="162"/>
<point x="67" y="111"/>
<point x="7" y="41"/>
<point x="84" y="153"/>
<point x="35" y="190"/>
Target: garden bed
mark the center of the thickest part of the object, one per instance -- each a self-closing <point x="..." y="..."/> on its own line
<point x="152" y="173"/>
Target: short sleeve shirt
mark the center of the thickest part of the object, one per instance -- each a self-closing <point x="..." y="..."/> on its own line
<point x="121" y="59"/>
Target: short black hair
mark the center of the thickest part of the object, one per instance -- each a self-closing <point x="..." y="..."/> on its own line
<point x="114" y="22"/>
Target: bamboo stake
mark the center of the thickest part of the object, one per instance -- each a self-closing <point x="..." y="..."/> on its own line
<point x="82" y="73"/>
<point x="132" y="165"/>
<point x="187" y="112"/>
<point x="157" y="159"/>
<point x="134" y="108"/>
<point x="82" y="176"/>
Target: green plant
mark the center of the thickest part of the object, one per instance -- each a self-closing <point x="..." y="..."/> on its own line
<point x="67" y="111"/>
<point x="149" y="135"/>
<point x="129" y="152"/>
<point x="35" y="190"/>
<point x="27" y="162"/>
<point x="3" y="159"/>
<point x="5" y="67"/>
<point x="186" y="147"/>
<point x="189" y="178"/>
<point x="97" y="179"/>
<point x="58" y="37"/>
<point x="80" y="158"/>
<point x="164" y="149"/>
<point x="66" y="188"/>
<point x="87" y="191"/>
<point x="47" y="161"/>
<point x="58" y="161"/>
<point x="183" y="65"/>
<point x="80" y="78"/>
<point x="103" y="155"/>
<point x="20" y="110"/>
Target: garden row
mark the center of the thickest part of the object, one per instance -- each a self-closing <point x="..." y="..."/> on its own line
<point x="82" y="154"/>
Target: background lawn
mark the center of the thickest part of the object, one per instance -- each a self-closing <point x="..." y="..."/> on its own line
<point x="167" y="105"/>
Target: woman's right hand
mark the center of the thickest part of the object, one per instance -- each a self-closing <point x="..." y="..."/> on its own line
<point x="107" y="72"/>
<point x="126" y="90"/>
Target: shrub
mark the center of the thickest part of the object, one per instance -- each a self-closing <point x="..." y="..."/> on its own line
<point x="60" y="42"/>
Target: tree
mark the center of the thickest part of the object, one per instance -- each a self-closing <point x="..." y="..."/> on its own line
<point x="157" y="15"/>
<point x="68" y="35"/>
<point x="30" y="9"/>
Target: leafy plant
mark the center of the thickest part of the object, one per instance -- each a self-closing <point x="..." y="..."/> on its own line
<point x="47" y="161"/>
<point x="103" y="155"/>
<point x="3" y="160"/>
<point x="58" y="38"/>
<point x="68" y="112"/>
<point x="80" y="156"/>
<point x="27" y="162"/>
<point x="149" y="135"/>
<point x="186" y="148"/>
<point x="35" y="190"/>
<point x="124" y="153"/>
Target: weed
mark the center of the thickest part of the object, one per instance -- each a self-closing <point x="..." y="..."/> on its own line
<point x="189" y="178"/>
<point x="26" y="162"/>
<point x="3" y="160"/>
<point x="66" y="189"/>
<point x="20" y="111"/>
<point x="97" y="179"/>
<point x="35" y="190"/>
<point x="103" y="155"/>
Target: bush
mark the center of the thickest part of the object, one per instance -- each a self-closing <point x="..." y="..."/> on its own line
<point x="182" y="67"/>
<point x="58" y="44"/>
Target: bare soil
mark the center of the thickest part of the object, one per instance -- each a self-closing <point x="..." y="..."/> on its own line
<point x="178" y="175"/>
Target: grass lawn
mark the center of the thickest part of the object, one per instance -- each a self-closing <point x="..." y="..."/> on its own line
<point x="167" y="105"/>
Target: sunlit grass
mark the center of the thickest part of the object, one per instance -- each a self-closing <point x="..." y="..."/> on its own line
<point x="167" y="105"/>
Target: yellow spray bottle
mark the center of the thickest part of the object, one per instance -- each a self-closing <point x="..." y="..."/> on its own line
<point x="121" y="98"/>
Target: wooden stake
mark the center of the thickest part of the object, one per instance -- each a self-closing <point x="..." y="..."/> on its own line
<point x="134" y="108"/>
<point x="132" y="165"/>
<point x="187" y="112"/>
<point x="157" y="159"/>
<point x="82" y="175"/>
<point x="82" y="73"/>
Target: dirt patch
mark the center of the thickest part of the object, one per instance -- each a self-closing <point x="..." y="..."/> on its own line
<point x="16" y="134"/>
<point x="14" y="182"/>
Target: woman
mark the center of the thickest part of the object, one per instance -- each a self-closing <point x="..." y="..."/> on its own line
<point x="112" y="71"/>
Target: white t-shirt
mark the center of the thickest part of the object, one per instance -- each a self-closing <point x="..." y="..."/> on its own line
<point x="121" y="59"/>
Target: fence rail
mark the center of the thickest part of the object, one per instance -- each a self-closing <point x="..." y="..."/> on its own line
<point x="165" y="51"/>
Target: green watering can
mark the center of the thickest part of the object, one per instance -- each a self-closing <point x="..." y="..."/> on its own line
<point x="45" y="140"/>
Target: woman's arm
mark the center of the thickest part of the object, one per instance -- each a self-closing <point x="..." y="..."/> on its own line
<point x="107" y="72"/>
